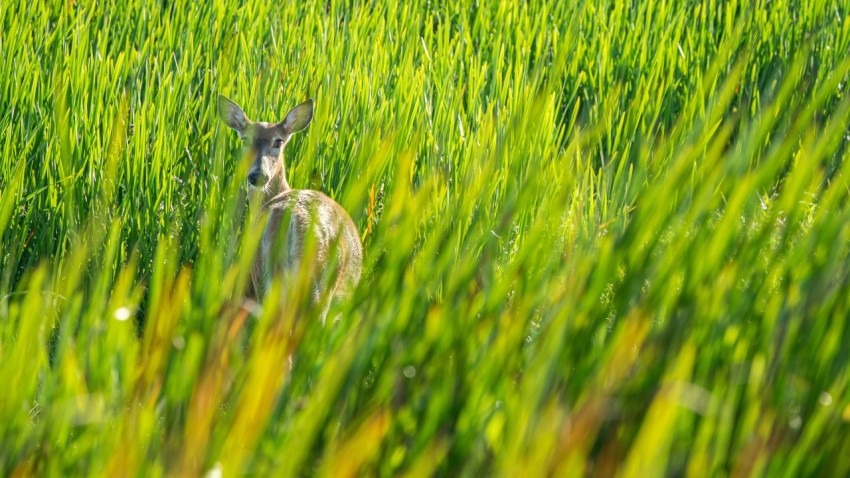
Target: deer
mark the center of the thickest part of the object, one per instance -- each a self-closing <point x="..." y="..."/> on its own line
<point x="300" y="221"/>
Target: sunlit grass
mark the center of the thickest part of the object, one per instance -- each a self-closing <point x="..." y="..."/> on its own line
<point x="605" y="238"/>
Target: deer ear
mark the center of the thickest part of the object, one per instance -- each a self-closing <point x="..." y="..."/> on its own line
<point x="232" y="114"/>
<point x="298" y="118"/>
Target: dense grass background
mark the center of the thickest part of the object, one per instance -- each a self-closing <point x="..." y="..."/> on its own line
<point x="601" y="238"/>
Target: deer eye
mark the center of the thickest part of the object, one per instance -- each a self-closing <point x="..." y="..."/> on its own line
<point x="278" y="143"/>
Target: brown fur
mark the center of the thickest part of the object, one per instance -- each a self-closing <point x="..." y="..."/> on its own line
<point x="300" y="221"/>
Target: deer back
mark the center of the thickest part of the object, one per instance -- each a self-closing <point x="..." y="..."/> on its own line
<point x="308" y="226"/>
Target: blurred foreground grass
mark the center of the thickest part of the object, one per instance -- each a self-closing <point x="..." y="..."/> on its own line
<point x="604" y="238"/>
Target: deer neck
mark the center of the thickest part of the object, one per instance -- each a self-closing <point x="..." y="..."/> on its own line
<point x="279" y="184"/>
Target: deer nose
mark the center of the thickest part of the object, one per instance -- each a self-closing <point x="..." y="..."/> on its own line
<point x="253" y="177"/>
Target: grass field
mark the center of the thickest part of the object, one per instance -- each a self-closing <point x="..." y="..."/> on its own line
<point x="602" y="238"/>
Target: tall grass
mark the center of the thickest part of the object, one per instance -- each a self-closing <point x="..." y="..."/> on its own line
<point x="604" y="238"/>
